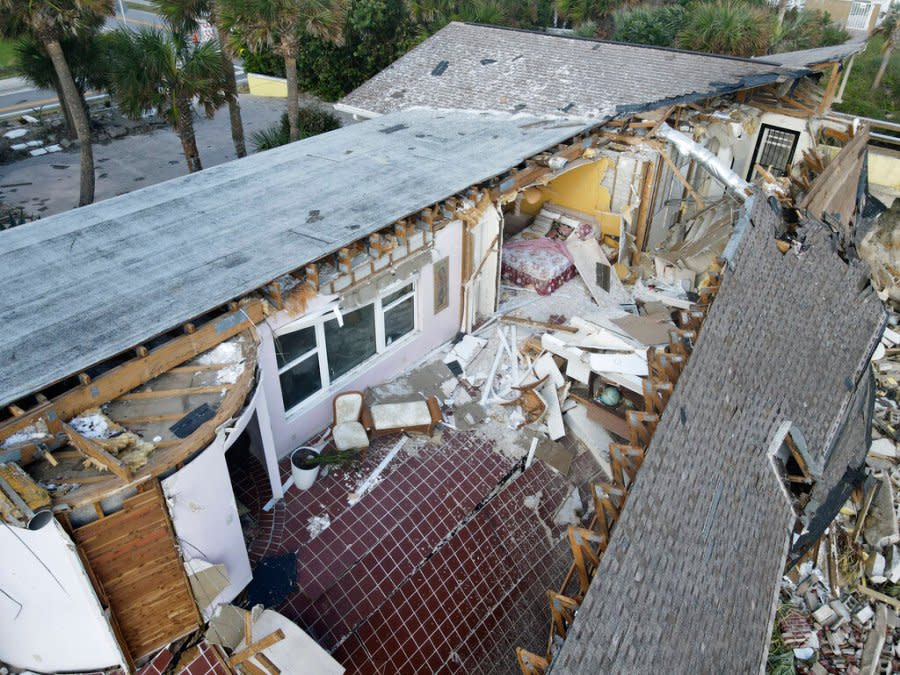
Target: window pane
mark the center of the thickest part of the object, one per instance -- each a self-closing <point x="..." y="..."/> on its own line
<point x="349" y="346"/>
<point x="388" y="299"/>
<point x="301" y="381"/>
<point x="291" y="345"/>
<point x="399" y="321"/>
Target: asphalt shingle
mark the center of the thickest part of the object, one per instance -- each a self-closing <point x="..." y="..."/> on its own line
<point x="465" y="66"/>
<point x="689" y="579"/>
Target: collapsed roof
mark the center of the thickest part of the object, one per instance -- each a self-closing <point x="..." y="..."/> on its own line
<point x="816" y="56"/>
<point x="490" y="68"/>
<point x="700" y="547"/>
<point x="104" y="278"/>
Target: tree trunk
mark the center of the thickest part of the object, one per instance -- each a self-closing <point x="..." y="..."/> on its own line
<point x="882" y="69"/>
<point x="185" y="131"/>
<point x="72" y="101"/>
<point x="67" y="116"/>
<point x="782" y="10"/>
<point x="289" y="53"/>
<point x="234" y="106"/>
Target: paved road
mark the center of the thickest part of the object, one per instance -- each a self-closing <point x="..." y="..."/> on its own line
<point x="49" y="184"/>
<point x="18" y="97"/>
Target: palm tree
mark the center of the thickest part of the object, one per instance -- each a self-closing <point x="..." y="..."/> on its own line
<point x="153" y="70"/>
<point x="49" y="21"/>
<point x="727" y="27"/>
<point x="185" y="15"/>
<point x="84" y="55"/>
<point x="890" y="30"/>
<point x="277" y="24"/>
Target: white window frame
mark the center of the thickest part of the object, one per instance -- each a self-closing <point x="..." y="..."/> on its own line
<point x="320" y="351"/>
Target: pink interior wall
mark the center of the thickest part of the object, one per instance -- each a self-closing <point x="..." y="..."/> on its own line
<point x="433" y="331"/>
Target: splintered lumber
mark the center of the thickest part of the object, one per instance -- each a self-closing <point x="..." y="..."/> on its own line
<point x="531" y="664"/>
<point x="681" y="179"/>
<point x="96" y="454"/>
<point x="508" y="318"/>
<point x="33" y="495"/>
<point x="253" y="649"/>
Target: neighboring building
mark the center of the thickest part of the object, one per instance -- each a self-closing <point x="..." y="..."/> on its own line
<point x="241" y="299"/>
<point x="854" y="15"/>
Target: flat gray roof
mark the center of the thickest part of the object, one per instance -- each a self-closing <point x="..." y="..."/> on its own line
<point x="810" y="57"/>
<point x="474" y="67"/>
<point x="82" y="286"/>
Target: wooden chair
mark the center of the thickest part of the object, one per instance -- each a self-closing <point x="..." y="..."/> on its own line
<point x="347" y="429"/>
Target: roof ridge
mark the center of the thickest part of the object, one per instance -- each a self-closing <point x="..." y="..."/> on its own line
<point x="728" y="57"/>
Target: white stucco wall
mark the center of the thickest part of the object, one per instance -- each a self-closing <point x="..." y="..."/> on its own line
<point x="775" y="120"/>
<point x="315" y="413"/>
<point x="201" y="503"/>
<point x="50" y="617"/>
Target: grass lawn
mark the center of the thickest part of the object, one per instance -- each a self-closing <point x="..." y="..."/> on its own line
<point x="7" y="56"/>
<point x="884" y="103"/>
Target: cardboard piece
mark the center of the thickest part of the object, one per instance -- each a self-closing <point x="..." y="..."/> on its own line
<point x="646" y="330"/>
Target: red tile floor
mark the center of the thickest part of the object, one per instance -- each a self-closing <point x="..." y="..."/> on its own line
<point x="432" y="570"/>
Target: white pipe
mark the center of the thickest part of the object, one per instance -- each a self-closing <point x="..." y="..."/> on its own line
<point x="690" y="148"/>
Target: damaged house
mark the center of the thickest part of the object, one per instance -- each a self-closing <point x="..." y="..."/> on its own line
<point x="540" y="261"/>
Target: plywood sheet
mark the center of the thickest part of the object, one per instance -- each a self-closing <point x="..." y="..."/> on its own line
<point x="132" y="554"/>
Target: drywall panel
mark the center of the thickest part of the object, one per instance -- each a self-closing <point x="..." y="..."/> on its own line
<point x="50" y="617"/>
<point x="201" y="502"/>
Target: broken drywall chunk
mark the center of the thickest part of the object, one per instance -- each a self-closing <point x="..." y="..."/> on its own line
<point x="646" y="330"/>
<point x="592" y="434"/>
<point x="545" y="365"/>
<point x="627" y="364"/>
<point x="881" y="523"/>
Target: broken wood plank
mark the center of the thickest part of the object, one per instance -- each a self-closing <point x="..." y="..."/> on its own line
<point x="522" y="321"/>
<point x="167" y="393"/>
<point x="96" y="454"/>
<point x="681" y="179"/>
<point x="253" y="649"/>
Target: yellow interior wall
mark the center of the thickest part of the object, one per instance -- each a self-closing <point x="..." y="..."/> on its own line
<point x="579" y="189"/>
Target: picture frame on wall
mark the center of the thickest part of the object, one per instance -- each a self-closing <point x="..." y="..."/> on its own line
<point x="441" y="285"/>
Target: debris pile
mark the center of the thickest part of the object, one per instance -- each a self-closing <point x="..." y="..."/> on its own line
<point x="841" y="607"/>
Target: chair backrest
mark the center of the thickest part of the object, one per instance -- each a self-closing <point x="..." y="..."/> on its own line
<point x="347" y="406"/>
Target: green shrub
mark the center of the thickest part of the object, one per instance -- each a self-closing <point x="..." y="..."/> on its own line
<point x="807" y="29"/>
<point x="650" y="25"/>
<point x="727" y="27"/>
<point x="311" y="121"/>
<point x="587" y="29"/>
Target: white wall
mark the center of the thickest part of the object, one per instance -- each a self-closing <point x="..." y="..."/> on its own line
<point x="201" y="503"/>
<point x="50" y="617"/>
<point x="776" y="120"/>
<point x="315" y="414"/>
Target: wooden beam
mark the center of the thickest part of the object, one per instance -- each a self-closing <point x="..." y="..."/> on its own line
<point x="830" y="89"/>
<point x="96" y="454"/>
<point x="531" y="664"/>
<point x="168" y="393"/>
<point x="640" y="231"/>
<point x="137" y="371"/>
<point x="687" y="186"/>
<point x="508" y="318"/>
<point x="255" y="648"/>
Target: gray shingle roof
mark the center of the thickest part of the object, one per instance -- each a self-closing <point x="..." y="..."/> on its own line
<point x="466" y="66"/>
<point x="85" y="285"/>
<point x="688" y="582"/>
